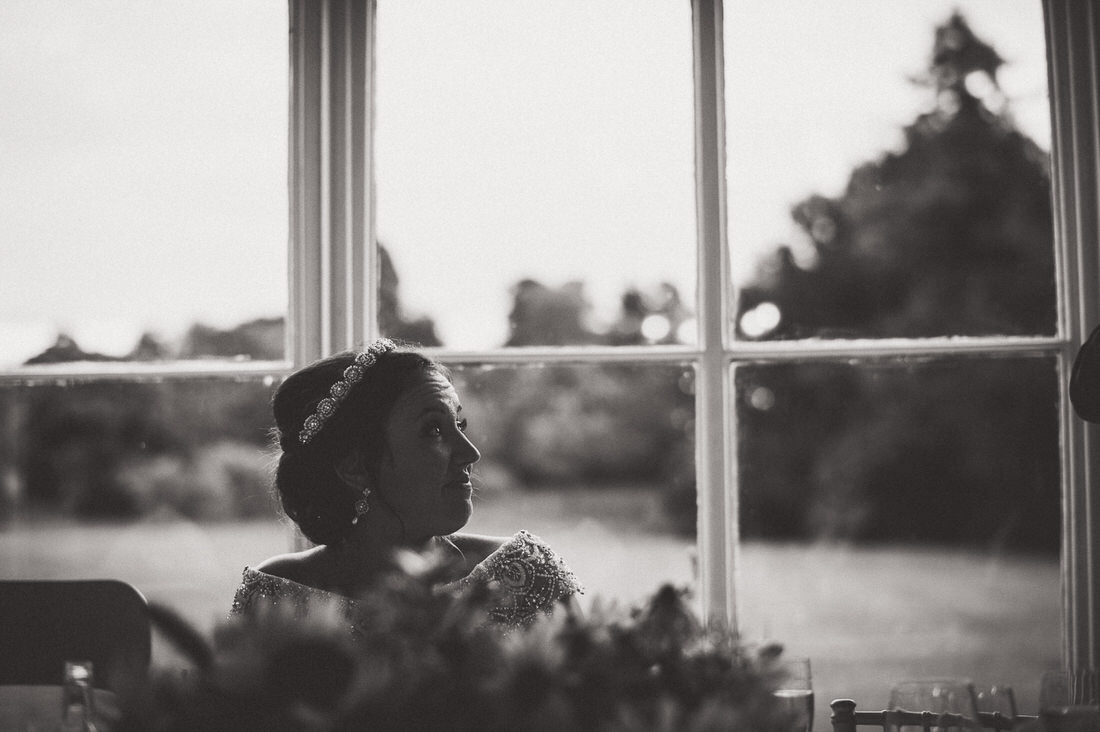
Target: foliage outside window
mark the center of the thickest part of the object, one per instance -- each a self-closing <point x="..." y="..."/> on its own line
<point x="950" y="234"/>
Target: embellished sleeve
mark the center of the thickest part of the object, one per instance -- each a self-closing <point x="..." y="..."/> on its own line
<point x="254" y="585"/>
<point x="260" y="592"/>
<point x="531" y="578"/>
<point x="258" y="588"/>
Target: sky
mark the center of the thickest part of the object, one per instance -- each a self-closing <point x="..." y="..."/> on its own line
<point x="143" y="165"/>
<point x="143" y="148"/>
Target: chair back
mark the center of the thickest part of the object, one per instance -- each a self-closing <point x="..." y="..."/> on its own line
<point x="45" y="623"/>
<point x="846" y="718"/>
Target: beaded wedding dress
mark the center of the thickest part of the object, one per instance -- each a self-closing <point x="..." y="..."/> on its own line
<point x="530" y="576"/>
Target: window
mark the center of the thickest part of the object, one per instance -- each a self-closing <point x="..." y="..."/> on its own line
<point x="732" y="378"/>
<point x="143" y="175"/>
<point x="529" y="152"/>
<point x="143" y="291"/>
<point x="896" y="418"/>
<point x="734" y="365"/>
<point x="535" y="220"/>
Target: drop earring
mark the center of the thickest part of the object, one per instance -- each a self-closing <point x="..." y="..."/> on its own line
<point x="361" y="506"/>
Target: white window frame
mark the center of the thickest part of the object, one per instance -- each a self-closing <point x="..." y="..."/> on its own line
<point x="1073" y="59"/>
<point x="333" y="288"/>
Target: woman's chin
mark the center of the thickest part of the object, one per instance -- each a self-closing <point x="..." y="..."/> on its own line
<point x="459" y="517"/>
<point x="467" y="513"/>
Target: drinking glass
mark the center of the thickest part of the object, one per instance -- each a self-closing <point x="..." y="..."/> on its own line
<point x="952" y="702"/>
<point x="997" y="699"/>
<point x="1069" y="701"/>
<point x="796" y="693"/>
<point x="77" y="697"/>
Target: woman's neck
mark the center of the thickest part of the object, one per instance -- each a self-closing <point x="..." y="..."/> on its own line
<point x="352" y="565"/>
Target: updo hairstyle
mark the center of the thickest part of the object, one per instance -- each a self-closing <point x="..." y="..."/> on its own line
<point x="310" y="490"/>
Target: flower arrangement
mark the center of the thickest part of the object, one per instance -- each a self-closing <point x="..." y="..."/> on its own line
<point x="421" y="660"/>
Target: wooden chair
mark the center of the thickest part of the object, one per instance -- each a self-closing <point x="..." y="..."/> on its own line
<point x="45" y="623"/>
<point x="846" y="718"/>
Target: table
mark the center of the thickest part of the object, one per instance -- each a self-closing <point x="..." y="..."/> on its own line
<point x="38" y="708"/>
<point x="1078" y="723"/>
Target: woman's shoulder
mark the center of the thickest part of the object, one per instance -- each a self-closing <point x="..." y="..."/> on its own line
<point x="257" y="587"/>
<point x="477" y="547"/>
<point x="287" y="577"/>
<point x="296" y="566"/>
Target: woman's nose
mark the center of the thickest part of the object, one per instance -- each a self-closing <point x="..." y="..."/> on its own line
<point x="467" y="453"/>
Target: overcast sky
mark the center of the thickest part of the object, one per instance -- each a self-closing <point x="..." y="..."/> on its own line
<point x="143" y="147"/>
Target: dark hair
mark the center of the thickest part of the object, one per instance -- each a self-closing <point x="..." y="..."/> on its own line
<point x="309" y="488"/>
<point x="1084" y="382"/>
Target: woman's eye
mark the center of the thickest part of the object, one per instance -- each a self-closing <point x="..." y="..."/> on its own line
<point x="435" y="429"/>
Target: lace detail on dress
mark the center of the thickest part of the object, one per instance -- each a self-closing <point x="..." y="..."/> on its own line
<point x="261" y="588"/>
<point x="531" y="576"/>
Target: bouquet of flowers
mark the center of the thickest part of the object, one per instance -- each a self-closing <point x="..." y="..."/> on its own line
<point x="421" y="660"/>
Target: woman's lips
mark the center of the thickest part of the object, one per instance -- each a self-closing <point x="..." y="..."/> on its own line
<point x="460" y="485"/>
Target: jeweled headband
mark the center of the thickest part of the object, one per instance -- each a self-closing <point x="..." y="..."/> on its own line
<point x="353" y="374"/>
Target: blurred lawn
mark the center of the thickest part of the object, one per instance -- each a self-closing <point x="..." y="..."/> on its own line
<point x="866" y="616"/>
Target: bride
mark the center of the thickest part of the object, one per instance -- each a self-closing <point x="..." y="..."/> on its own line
<point x="374" y="460"/>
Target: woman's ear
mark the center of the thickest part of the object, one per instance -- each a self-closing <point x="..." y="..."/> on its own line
<point x="352" y="470"/>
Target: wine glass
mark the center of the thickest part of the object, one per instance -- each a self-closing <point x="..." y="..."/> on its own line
<point x="996" y="699"/>
<point x="952" y="702"/>
<point x="78" y="696"/>
<point x="796" y="693"/>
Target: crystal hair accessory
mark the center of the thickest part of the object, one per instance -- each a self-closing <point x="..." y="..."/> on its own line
<point x="353" y="374"/>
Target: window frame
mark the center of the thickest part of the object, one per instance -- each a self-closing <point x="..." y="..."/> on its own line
<point x="333" y="288"/>
<point x="1071" y="29"/>
<point x="1073" y="68"/>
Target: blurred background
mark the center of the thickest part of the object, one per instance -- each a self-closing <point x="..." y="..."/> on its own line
<point x="888" y="178"/>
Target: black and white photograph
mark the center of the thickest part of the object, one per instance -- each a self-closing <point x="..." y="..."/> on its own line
<point x="597" y="365"/>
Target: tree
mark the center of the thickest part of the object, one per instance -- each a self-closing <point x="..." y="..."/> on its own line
<point x="391" y="317"/>
<point x="592" y="424"/>
<point x="951" y="236"/>
<point x="549" y="316"/>
<point x="122" y="449"/>
<point x="65" y="348"/>
<point x="260" y="339"/>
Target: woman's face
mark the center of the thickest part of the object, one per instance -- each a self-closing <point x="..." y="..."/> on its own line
<point x="424" y="475"/>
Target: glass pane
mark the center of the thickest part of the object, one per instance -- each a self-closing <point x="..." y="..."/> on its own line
<point x="572" y="454"/>
<point x="901" y="520"/>
<point x="163" y="485"/>
<point x="167" y="485"/>
<point x="144" y="177"/>
<point x="888" y="169"/>
<point x="535" y="172"/>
